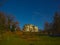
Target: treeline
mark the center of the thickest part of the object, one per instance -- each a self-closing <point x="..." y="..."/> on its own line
<point x="8" y="23"/>
<point x="54" y="26"/>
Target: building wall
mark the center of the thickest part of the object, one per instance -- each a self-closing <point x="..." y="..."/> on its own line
<point x="30" y="28"/>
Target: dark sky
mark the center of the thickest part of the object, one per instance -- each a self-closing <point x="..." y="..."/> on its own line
<point x="35" y="12"/>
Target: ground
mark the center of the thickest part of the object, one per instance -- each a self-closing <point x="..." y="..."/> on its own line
<point x="13" y="39"/>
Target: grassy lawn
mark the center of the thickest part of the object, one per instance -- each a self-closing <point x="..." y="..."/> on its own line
<point x="12" y="39"/>
<point x="35" y="40"/>
<point x="46" y="40"/>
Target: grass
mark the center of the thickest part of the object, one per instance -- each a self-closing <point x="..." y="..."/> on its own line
<point x="13" y="39"/>
<point x="46" y="40"/>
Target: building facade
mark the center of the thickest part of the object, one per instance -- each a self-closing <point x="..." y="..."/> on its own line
<point x="30" y="28"/>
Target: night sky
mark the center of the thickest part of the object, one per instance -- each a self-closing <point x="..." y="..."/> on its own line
<point x="35" y="12"/>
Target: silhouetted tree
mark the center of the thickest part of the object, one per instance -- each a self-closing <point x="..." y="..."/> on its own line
<point x="2" y="23"/>
<point x="7" y="22"/>
<point x="10" y="21"/>
<point x="15" y="26"/>
<point x="46" y="26"/>
<point x="56" y="23"/>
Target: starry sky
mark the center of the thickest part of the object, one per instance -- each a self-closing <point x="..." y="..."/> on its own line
<point x="35" y="12"/>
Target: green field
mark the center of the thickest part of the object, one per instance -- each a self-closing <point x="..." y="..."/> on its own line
<point x="26" y="40"/>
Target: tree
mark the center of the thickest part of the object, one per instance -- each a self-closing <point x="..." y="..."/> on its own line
<point x="46" y="26"/>
<point x="56" y="23"/>
<point x="10" y="21"/>
<point x="2" y="23"/>
<point x="15" y="25"/>
<point x="7" y="22"/>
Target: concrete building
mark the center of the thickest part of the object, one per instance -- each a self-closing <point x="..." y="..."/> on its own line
<point x="30" y="28"/>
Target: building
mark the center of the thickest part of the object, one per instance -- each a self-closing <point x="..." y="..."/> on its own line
<point x="30" y="28"/>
